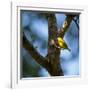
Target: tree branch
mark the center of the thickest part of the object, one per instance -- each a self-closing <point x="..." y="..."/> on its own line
<point x="54" y="67"/>
<point x="53" y="52"/>
<point x="65" y="26"/>
<point x="32" y="51"/>
<point x="52" y="61"/>
<point x="76" y="23"/>
<point x="52" y="26"/>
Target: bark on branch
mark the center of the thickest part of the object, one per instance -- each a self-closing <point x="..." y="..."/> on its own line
<point x="53" y="53"/>
<point x="65" y="25"/>
<point x="32" y="51"/>
<point x="76" y="23"/>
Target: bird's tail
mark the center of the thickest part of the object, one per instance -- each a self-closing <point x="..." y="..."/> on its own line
<point x="69" y="49"/>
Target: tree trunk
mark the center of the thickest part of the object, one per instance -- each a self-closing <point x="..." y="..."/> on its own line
<point x="54" y="66"/>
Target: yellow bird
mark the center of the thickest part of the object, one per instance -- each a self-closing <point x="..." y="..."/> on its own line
<point x="61" y="44"/>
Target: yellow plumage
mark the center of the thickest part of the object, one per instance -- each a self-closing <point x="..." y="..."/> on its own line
<point x="62" y="44"/>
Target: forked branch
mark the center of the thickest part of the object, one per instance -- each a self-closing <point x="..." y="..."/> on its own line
<point x="52" y="61"/>
<point x="65" y="25"/>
